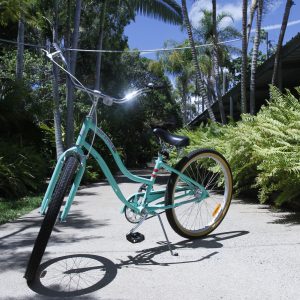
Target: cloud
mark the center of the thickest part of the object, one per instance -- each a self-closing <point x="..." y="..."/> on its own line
<point x="277" y="26"/>
<point x="273" y="5"/>
<point x="234" y="9"/>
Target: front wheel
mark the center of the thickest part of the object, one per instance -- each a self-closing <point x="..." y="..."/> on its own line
<point x="62" y="186"/>
<point x="200" y="217"/>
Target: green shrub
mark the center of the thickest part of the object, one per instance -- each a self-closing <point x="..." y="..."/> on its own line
<point x="22" y="170"/>
<point x="263" y="150"/>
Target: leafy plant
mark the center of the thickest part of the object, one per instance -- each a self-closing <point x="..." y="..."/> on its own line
<point x="263" y="150"/>
<point x="22" y="170"/>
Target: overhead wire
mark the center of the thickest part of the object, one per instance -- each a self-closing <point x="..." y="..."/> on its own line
<point x="25" y="44"/>
<point x="142" y="51"/>
<point x="145" y="51"/>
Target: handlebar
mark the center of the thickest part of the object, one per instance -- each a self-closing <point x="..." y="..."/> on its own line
<point x="107" y="100"/>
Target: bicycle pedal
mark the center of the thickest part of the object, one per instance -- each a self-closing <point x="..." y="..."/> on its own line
<point x="135" y="237"/>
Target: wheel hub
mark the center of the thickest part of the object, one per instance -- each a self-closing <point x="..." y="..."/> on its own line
<point x="200" y="195"/>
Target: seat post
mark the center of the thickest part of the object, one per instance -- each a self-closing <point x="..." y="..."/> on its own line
<point x="165" y="150"/>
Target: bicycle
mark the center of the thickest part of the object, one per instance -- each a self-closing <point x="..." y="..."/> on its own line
<point x="196" y="198"/>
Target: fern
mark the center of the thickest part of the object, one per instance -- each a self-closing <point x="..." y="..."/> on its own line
<point x="263" y="150"/>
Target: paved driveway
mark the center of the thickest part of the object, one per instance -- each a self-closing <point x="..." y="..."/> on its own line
<point x="253" y="254"/>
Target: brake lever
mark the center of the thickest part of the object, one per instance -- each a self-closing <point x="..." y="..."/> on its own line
<point x="151" y="86"/>
<point x="59" y="52"/>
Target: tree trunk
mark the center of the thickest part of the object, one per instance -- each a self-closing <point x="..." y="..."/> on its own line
<point x="251" y="17"/>
<point x="70" y="87"/>
<point x="56" y="112"/>
<point x="68" y="34"/>
<point x="184" y="104"/>
<point x="20" y="51"/>
<point x="195" y="61"/>
<point x="254" y="56"/>
<point x="99" y="46"/>
<point x="244" y="60"/>
<point x="210" y="85"/>
<point x="216" y="64"/>
<point x="288" y="6"/>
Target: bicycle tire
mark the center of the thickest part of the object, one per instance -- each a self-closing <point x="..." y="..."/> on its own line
<point x="214" y="207"/>
<point x="59" y="193"/>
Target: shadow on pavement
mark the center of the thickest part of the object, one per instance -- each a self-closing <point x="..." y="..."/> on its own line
<point x="281" y="216"/>
<point x="26" y="233"/>
<point x="42" y="297"/>
<point x="213" y="241"/>
<point x="81" y="274"/>
<point x="74" y="275"/>
<point x="288" y="218"/>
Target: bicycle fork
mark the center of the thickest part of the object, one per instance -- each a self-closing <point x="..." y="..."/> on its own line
<point x="54" y="179"/>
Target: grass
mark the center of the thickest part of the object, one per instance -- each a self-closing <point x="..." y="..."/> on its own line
<point x="12" y="209"/>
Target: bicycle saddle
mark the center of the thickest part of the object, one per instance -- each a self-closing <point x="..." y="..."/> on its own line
<point x="172" y="139"/>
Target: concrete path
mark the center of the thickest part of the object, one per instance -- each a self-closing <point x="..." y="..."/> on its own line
<point x="253" y="254"/>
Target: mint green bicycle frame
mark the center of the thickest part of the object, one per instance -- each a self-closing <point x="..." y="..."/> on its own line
<point x="150" y="197"/>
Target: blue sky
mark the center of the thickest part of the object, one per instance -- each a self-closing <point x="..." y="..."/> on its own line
<point x="146" y="33"/>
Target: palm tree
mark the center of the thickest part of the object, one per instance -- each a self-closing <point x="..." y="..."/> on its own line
<point x="244" y="59"/>
<point x="199" y="77"/>
<point x="55" y="90"/>
<point x="70" y="88"/>
<point x="179" y="63"/>
<point x="210" y="30"/>
<point x="288" y="6"/>
<point x="20" y="49"/>
<point x="255" y="55"/>
<point x="204" y="32"/>
<point x="20" y="9"/>
<point x="207" y="67"/>
<point x="251" y="17"/>
<point x="216" y="62"/>
<point x="99" y="45"/>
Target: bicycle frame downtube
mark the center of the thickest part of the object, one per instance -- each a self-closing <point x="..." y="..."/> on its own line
<point x="108" y="175"/>
<point x="81" y="142"/>
<point x="88" y="124"/>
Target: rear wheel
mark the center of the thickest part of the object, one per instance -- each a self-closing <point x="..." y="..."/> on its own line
<point x="62" y="186"/>
<point x="199" y="218"/>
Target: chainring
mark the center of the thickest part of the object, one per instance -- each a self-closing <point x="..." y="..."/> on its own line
<point x="130" y="215"/>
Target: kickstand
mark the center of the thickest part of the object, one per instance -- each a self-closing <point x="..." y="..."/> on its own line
<point x="165" y="233"/>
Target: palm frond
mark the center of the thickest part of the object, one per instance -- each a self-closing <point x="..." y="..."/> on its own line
<point x="166" y="10"/>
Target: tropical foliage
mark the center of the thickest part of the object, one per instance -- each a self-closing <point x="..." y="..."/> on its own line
<point x="27" y="108"/>
<point x="263" y="150"/>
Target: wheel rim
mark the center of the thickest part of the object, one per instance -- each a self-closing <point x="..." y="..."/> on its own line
<point x="200" y="218"/>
